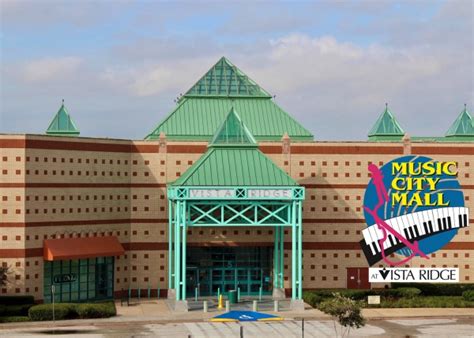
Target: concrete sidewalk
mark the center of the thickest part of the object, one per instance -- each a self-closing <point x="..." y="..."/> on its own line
<point x="159" y="312"/>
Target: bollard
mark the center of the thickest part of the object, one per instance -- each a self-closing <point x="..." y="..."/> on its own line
<point x="138" y="295"/>
<point x="218" y="293"/>
<point x="302" y="327"/>
<point x="129" y="295"/>
<point x="204" y="306"/>
<point x="227" y="306"/>
<point x="196" y="294"/>
<point x="260" y="293"/>
<point x="158" y="293"/>
<point x="276" y="306"/>
<point x="238" y="295"/>
<point x="255" y="307"/>
<point x="149" y="291"/>
<point x="241" y="332"/>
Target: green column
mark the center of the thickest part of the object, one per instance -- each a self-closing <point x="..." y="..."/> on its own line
<point x="282" y="250"/>
<point x="183" y="246"/>
<point x="170" y="246"/>
<point x="300" y="251"/>
<point x="294" y="239"/>
<point x="177" y="255"/>
<point x="276" y="257"/>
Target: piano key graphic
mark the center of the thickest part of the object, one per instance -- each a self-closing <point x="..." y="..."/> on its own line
<point x="414" y="227"/>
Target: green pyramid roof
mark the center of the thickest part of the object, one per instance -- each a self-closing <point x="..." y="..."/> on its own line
<point x="463" y="126"/>
<point x="233" y="132"/>
<point x="233" y="159"/>
<point x="386" y="127"/>
<point x="203" y="108"/>
<point x="225" y="79"/>
<point x="62" y="124"/>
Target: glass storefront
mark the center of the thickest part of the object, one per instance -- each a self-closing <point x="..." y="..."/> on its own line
<point x="224" y="268"/>
<point x="79" y="280"/>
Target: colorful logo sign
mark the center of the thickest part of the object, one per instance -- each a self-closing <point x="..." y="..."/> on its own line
<point x="413" y="206"/>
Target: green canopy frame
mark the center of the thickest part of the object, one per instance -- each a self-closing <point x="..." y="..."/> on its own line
<point x="218" y="206"/>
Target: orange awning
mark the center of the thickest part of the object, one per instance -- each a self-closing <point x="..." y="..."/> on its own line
<point x="84" y="247"/>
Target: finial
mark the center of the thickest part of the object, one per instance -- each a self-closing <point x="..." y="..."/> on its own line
<point x="63" y="102"/>
<point x="386" y="105"/>
<point x="465" y="106"/>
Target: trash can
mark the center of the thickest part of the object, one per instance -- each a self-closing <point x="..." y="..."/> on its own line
<point x="232" y="296"/>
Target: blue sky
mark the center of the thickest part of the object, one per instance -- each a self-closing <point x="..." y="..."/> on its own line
<point x="331" y="64"/>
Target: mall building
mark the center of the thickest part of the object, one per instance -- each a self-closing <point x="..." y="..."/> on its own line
<point x="228" y="191"/>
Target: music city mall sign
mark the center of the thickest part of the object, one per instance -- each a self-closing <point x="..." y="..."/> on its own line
<point x="413" y="206"/>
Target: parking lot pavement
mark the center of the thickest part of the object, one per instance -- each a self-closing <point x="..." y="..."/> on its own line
<point x="455" y="327"/>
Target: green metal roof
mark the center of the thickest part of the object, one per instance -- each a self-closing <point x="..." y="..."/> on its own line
<point x="463" y="126"/>
<point x="62" y="124"/>
<point x="203" y="108"/>
<point x="386" y="127"/>
<point x="233" y="159"/>
<point x="197" y="119"/>
<point x="234" y="167"/>
<point x="233" y="132"/>
<point x="225" y="79"/>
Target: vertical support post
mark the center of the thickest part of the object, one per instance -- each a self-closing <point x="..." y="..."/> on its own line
<point x="293" y="251"/>
<point x="177" y="254"/>
<point x="282" y="251"/>
<point x="170" y="245"/>
<point x="300" y="252"/>
<point x="183" y="252"/>
<point x="276" y="263"/>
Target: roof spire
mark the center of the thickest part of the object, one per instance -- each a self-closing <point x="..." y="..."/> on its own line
<point x="386" y="128"/>
<point x="62" y="124"/>
<point x="463" y="126"/>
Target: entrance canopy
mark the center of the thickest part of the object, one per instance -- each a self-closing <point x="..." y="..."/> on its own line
<point x="75" y="248"/>
<point x="234" y="184"/>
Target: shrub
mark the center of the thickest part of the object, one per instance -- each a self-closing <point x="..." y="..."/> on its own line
<point x="14" y="319"/>
<point x="468" y="295"/>
<point x="407" y="292"/>
<point x="346" y="311"/>
<point x="16" y="300"/>
<point x="15" y="310"/>
<point x="72" y="310"/>
<point x="312" y="298"/>
<point x="45" y="311"/>
<point x="426" y="302"/>
<point x="446" y="289"/>
<point x="103" y="310"/>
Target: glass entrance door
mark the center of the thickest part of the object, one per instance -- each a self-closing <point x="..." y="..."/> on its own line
<point x="222" y="268"/>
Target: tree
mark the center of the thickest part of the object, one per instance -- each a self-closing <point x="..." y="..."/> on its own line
<point x="345" y="311"/>
<point x="3" y="275"/>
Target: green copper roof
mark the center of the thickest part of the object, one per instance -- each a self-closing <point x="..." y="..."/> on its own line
<point x="225" y="79"/>
<point x="233" y="132"/>
<point x="203" y="109"/>
<point x="234" y="160"/>
<point x="234" y="167"/>
<point x="386" y="128"/>
<point x="463" y="126"/>
<point x="197" y="119"/>
<point x="62" y="124"/>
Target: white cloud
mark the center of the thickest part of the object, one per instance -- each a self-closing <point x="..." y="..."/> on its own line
<point x="49" y="69"/>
